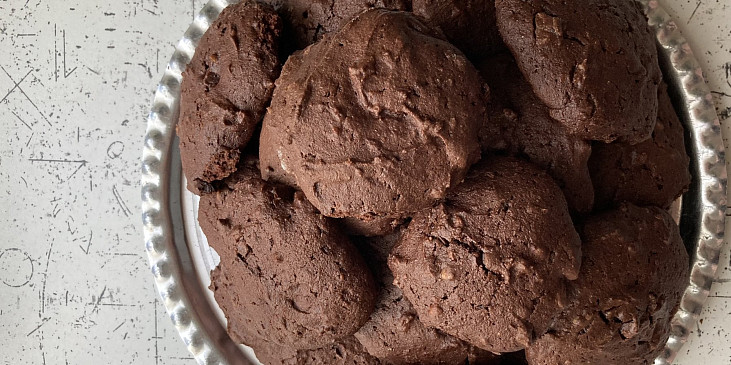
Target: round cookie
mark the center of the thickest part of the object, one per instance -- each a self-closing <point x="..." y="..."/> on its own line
<point x="290" y="276"/>
<point x="468" y="24"/>
<point x="377" y="119"/>
<point x="520" y="124"/>
<point x="225" y="90"/>
<point x="634" y="271"/>
<point x="309" y="20"/>
<point x="596" y="69"/>
<point x="394" y="333"/>
<point x="654" y="172"/>
<point x="489" y="265"/>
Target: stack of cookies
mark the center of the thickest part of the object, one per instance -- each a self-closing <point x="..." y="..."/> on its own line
<point x="437" y="181"/>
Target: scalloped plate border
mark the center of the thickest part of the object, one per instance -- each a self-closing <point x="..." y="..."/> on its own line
<point x="167" y="264"/>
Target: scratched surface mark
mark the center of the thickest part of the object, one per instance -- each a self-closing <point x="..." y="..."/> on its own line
<point x="76" y="80"/>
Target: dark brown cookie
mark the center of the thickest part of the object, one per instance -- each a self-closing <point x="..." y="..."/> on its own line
<point x="654" y="172"/>
<point x="468" y="24"/>
<point x="490" y="264"/>
<point x="287" y="275"/>
<point x="309" y="20"/>
<point x="593" y="63"/>
<point x="377" y="119"/>
<point x="394" y="333"/>
<point x="520" y="124"/>
<point x="634" y="270"/>
<point x="225" y="91"/>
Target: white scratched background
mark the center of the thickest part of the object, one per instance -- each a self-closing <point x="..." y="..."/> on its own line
<point x="76" y="80"/>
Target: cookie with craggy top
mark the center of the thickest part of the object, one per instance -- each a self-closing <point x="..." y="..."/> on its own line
<point x="287" y="274"/>
<point x="225" y="90"/>
<point x="490" y="264"/>
<point x="377" y="119"/>
<point x="620" y="316"/>
<point x="654" y="172"/>
<point x="593" y="64"/>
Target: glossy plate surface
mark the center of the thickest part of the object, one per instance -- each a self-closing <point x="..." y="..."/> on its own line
<point x="181" y="260"/>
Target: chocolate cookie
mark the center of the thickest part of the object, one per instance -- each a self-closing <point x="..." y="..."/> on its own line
<point x="489" y="265"/>
<point x="654" y="172"/>
<point x="634" y="271"/>
<point x="225" y="91"/>
<point x="594" y="64"/>
<point x="468" y="24"/>
<point x="287" y="275"/>
<point x="309" y="20"/>
<point x="378" y="119"/>
<point x="520" y="124"/>
<point x="394" y="333"/>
